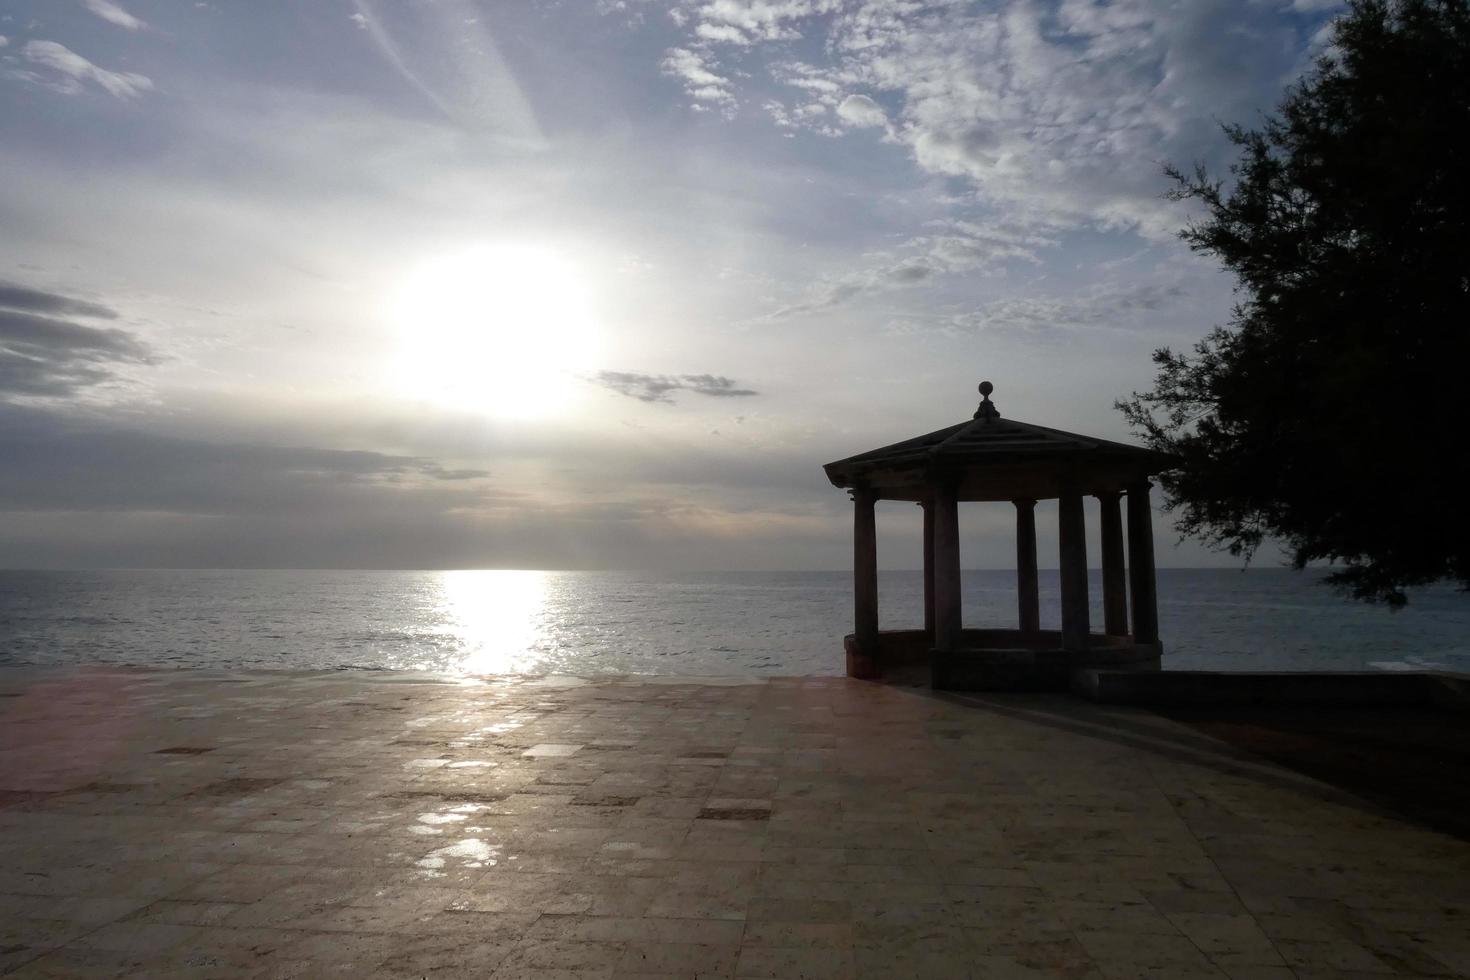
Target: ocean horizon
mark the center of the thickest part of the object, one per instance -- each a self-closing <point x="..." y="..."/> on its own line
<point x="694" y="623"/>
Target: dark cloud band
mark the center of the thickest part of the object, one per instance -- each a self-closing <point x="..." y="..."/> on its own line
<point x="16" y="297"/>
<point x="661" y="387"/>
<point x="43" y="355"/>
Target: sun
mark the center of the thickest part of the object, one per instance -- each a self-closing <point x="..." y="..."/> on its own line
<point x="505" y="330"/>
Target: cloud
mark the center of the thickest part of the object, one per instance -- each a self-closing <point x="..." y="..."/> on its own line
<point x="836" y="292"/>
<point x="748" y="21"/>
<point x="953" y="247"/>
<point x="700" y="82"/>
<point x="113" y="14"/>
<point x="4" y="40"/>
<point x="446" y="51"/>
<point x="1061" y="111"/>
<point x="68" y="72"/>
<point x="83" y="464"/>
<point x="45" y="357"/>
<point x="809" y="116"/>
<point x="1111" y="304"/>
<point x="861" y="111"/>
<point x="86" y="491"/>
<point x="17" y="297"/>
<point x="721" y="32"/>
<point x="660" y="387"/>
<point x="963" y="246"/>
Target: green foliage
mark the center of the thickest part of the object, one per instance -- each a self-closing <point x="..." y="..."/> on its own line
<point x="1331" y="413"/>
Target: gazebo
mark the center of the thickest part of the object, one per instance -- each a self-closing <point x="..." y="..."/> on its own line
<point x="988" y="458"/>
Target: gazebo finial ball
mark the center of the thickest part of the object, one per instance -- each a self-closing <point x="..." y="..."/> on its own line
<point x="986" y="388"/>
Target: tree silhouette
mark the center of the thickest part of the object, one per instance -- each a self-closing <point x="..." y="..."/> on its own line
<point x="1331" y="412"/>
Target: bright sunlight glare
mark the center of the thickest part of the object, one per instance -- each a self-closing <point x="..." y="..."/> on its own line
<point x="506" y="330"/>
<point x="498" y="616"/>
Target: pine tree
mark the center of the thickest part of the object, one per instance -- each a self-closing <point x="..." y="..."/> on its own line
<point x="1331" y="413"/>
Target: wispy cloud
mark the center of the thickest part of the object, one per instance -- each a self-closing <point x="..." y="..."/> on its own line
<point x="1058" y="110"/>
<point x="1109" y="305"/>
<point x="947" y="247"/>
<point x="114" y="14"/>
<point x="661" y="387"/>
<point x="63" y="70"/>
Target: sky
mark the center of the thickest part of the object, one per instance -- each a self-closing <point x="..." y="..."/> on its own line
<point x="582" y="283"/>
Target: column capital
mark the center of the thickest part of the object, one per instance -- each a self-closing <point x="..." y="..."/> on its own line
<point x="1024" y="503"/>
<point x="862" y="494"/>
<point x="1108" y="494"/>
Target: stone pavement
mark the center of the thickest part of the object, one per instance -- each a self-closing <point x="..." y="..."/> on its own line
<point x="206" y="824"/>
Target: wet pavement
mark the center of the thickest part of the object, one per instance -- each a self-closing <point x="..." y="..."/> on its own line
<point x="210" y="824"/>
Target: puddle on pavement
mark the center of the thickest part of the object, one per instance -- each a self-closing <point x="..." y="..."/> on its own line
<point x="433" y="822"/>
<point x="471" y="852"/>
<point x="510" y="724"/>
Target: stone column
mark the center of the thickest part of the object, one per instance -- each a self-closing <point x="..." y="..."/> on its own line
<point x="1141" y="564"/>
<point x="1114" y="573"/>
<point x="1073" y="533"/>
<point x="947" y="612"/>
<point x="928" y="506"/>
<point x="865" y="572"/>
<point x="1027" y="595"/>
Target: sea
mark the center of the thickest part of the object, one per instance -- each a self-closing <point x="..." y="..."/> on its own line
<point x="717" y="623"/>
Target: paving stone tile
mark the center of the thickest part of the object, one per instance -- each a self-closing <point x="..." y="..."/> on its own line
<point x="637" y="928"/>
<point x="562" y="954"/>
<point x="798" y="935"/>
<point x="763" y="907"/>
<point x="550" y="750"/>
<point x="1237" y="938"/>
<point x="184" y="912"/>
<point x="1098" y="917"/>
<point x="82" y="963"/>
<point x="457" y="957"/>
<point x="679" y="959"/>
<point x="788" y="963"/>
<point x="143" y="939"/>
<point x="1337" y="954"/>
<point x="954" y="963"/>
<point x="1113" y="950"/>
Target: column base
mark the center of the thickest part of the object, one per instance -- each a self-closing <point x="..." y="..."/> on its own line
<point x="862" y="664"/>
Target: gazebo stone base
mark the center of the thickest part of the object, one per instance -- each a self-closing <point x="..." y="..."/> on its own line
<point x="995" y="660"/>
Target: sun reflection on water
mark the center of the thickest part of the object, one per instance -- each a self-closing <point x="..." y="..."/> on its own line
<point x="498" y="617"/>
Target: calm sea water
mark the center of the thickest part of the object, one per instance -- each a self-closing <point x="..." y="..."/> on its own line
<point x="599" y="622"/>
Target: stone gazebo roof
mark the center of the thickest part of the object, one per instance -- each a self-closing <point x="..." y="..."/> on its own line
<point x="991" y="458"/>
